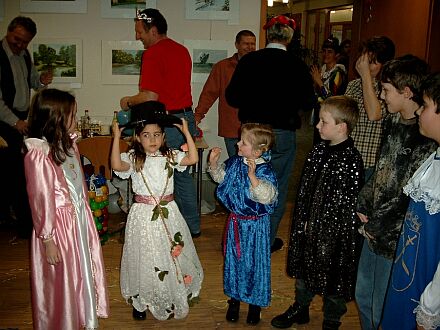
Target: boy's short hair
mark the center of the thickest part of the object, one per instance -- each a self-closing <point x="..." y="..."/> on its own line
<point x="430" y="87"/>
<point x="343" y="109"/>
<point x="406" y="71"/>
<point x="261" y="136"/>
<point x="381" y="48"/>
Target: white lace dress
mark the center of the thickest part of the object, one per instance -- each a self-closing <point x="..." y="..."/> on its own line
<point x="154" y="275"/>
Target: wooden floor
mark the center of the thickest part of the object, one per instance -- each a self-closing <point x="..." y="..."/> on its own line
<point x="209" y="313"/>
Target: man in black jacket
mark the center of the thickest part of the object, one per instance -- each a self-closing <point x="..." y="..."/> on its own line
<point x="17" y="77"/>
<point x="271" y="86"/>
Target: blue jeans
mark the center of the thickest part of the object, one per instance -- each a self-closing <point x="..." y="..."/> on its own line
<point x="184" y="188"/>
<point x="231" y="146"/>
<point x="371" y="286"/>
<point x="283" y="156"/>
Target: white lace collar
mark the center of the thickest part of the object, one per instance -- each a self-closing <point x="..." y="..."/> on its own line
<point x="425" y="183"/>
<point x="258" y="161"/>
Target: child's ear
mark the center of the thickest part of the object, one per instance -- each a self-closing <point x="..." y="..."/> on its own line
<point x="257" y="153"/>
<point x="137" y="138"/>
<point x="343" y="128"/>
<point x="407" y="92"/>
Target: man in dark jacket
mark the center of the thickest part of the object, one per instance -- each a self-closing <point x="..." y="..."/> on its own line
<point x="271" y="86"/>
<point x="17" y="77"/>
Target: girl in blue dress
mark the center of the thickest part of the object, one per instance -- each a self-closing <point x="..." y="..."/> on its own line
<point x="248" y="189"/>
<point x="413" y="296"/>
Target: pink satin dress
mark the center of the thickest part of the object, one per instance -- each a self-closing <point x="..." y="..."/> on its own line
<point x="73" y="293"/>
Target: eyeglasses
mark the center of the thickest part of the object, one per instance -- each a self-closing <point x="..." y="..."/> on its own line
<point x="143" y="16"/>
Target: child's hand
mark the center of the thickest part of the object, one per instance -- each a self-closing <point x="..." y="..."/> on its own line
<point x="362" y="217"/>
<point x="316" y="75"/>
<point x="53" y="254"/>
<point x="251" y="167"/>
<point x="363" y="65"/>
<point x="214" y="156"/>
<point x="183" y="127"/>
<point x="116" y="130"/>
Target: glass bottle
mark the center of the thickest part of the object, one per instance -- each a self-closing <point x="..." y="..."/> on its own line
<point x="114" y="120"/>
<point x="85" y="125"/>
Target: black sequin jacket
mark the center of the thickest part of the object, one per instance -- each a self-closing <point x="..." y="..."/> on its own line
<point x="323" y="249"/>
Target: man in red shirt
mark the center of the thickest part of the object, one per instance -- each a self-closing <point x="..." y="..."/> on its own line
<point x="215" y="85"/>
<point x="166" y="77"/>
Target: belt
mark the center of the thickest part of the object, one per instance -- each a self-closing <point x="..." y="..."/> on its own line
<point x="177" y="111"/>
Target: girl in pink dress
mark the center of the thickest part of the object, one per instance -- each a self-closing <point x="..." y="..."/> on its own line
<point x="67" y="270"/>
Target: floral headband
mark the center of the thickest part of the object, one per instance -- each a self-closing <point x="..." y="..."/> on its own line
<point x="143" y="16"/>
<point x="281" y="20"/>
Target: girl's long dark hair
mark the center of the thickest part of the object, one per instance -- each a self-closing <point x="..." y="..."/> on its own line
<point x="50" y="116"/>
<point x="139" y="152"/>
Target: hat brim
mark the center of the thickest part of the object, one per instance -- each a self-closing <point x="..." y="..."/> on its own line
<point x="161" y="120"/>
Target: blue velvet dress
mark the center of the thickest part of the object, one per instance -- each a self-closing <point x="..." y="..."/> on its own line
<point x="247" y="233"/>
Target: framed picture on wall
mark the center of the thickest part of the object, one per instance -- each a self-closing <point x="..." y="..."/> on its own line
<point x="213" y="9"/>
<point x="205" y="53"/>
<point x="62" y="56"/>
<point x="124" y="9"/>
<point x="121" y="62"/>
<point x="48" y="6"/>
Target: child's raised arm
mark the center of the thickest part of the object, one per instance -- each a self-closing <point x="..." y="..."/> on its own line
<point x="191" y="157"/>
<point x="115" y="158"/>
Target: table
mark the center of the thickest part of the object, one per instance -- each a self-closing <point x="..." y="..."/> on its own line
<point x="201" y="145"/>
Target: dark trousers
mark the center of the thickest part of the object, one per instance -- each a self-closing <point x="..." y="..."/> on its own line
<point x="13" y="192"/>
<point x="334" y="306"/>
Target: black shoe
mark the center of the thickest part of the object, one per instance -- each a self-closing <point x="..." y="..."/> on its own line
<point x="277" y="245"/>
<point x="294" y="314"/>
<point x="140" y="316"/>
<point x="330" y="325"/>
<point x="254" y="315"/>
<point x="196" y="235"/>
<point x="233" y="310"/>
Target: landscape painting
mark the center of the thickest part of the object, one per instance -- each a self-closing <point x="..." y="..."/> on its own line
<point x="62" y="57"/>
<point x="213" y="9"/>
<point x="124" y="8"/>
<point x="121" y="61"/>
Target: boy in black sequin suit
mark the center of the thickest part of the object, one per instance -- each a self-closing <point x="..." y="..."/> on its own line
<point x="322" y="252"/>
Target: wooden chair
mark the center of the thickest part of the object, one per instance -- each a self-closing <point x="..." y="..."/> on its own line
<point x="97" y="150"/>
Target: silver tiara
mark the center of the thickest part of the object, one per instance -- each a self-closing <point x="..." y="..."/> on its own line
<point x="143" y="16"/>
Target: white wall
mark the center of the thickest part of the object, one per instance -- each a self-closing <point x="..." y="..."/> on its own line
<point x="102" y="99"/>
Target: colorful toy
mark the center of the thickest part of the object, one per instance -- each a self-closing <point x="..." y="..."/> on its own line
<point x="98" y="200"/>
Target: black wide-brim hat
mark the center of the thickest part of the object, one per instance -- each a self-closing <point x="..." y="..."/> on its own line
<point x="151" y="112"/>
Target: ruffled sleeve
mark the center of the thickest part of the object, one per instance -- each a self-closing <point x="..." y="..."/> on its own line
<point x="264" y="193"/>
<point x="425" y="184"/>
<point x="41" y="177"/>
<point x="428" y="312"/>
<point x="125" y="157"/>
<point x="178" y="156"/>
<point x="218" y="173"/>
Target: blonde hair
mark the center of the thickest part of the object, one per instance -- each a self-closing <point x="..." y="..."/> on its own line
<point x="261" y="136"/>
<point x="343" y="109"/>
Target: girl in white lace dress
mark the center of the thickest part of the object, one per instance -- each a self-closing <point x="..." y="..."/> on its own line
<point x="160" y="269"/>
